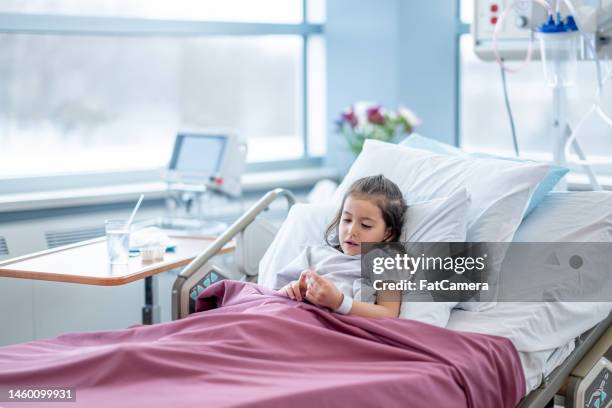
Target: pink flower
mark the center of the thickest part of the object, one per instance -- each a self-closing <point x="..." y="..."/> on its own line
<point x="375" y="116"/>
<point x="409" y="116"/>
<point x="349" y="117"/>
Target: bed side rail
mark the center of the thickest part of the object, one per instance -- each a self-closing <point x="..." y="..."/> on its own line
<point x="238" y="226"/>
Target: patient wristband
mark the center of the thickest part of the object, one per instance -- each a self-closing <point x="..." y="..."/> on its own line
<point x="346" y="305"/>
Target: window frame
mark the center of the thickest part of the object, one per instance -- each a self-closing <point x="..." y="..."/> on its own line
<point x="23" y="23"/>
<point x="462" y="29"/>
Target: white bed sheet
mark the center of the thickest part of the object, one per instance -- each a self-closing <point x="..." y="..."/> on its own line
<point x="539" y="364"/>
<point x="543" y="333"/>
<point x="533" y="326"/>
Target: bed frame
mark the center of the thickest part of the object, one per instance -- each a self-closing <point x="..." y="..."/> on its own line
<point x="578" y="377"/>
<point x="584" y="377"/>
<point x="200" y="272"/>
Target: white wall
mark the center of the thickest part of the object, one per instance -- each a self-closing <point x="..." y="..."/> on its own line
<point x="427" y="59"/>
<point x="362" y="40"/>
<point x="392" y="52"/>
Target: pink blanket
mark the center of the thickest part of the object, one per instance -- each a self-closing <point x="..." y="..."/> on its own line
<point x="253" y="348"/>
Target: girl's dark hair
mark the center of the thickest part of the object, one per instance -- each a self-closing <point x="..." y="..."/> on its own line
<point x="385" y="194"/>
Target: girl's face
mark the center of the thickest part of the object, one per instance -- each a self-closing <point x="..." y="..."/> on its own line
<point x="361" y="221"/>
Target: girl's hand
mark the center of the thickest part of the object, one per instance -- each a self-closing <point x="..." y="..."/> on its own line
<point x="296" y="290"/>
<point x="322" y="292"/>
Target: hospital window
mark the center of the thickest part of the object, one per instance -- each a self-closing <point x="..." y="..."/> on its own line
<point x="484" y="121"/>
<point x="104" y="85"/>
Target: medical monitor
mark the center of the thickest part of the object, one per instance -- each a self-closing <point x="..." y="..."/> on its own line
<point x="213" y="160"/>
<point x="198" y="154"/>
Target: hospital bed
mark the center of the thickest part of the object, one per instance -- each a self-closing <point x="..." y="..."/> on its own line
<point x="578" y="371"/>
<point x="253" y="346"/>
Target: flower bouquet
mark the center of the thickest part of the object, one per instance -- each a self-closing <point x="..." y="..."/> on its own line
<point x="365" y="120"/>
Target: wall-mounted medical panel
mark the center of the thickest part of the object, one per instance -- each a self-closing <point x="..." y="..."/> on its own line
<point x="514" y="32"/>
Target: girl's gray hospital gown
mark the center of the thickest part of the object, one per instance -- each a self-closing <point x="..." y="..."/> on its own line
<point x="341" y="269"/>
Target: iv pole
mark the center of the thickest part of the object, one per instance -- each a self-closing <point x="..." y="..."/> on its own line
<point x="561" y="131"/>
<point x="561" y="128"/>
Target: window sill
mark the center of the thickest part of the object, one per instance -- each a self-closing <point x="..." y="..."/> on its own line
<point x="252" y="182"/>
<point x="298" y="178"/>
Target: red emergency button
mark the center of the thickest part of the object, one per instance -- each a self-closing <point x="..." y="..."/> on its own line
<point x="216" y="180"/>
<point x="494" y="8"/>
<point x="493" y="20"/>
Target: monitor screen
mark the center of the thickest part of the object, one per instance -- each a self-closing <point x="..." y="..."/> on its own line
<point x="197" y="153"/>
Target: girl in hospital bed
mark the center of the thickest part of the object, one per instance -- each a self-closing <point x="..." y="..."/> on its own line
<point x="372" y="210"/>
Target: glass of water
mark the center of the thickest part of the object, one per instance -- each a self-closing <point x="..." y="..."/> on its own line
<point x="117" y="241"/>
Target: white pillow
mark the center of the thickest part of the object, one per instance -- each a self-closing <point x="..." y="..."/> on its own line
<point x="304" y="226"/>
<point x="500" y="190"/>
<point x="439" y="220"/>
<point x="536" y="326"/>
<point x="569" y="217"/>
